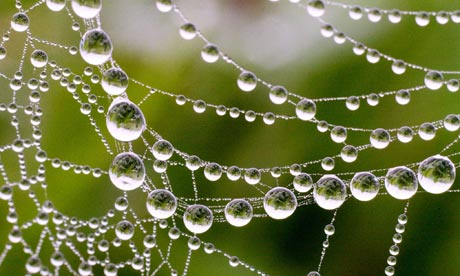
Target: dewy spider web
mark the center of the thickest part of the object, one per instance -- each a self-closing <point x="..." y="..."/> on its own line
<point x="130" y="202"/>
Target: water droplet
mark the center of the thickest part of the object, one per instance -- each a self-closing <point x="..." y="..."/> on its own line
<point x="405" y="134"/>
<point x="329" y="192"/>
<point x="278" y="95"/>
<point x="234" y="112"/>
<point x="328" y="163"/>
<point x="373" y="56"/>
<point x="199" y="106"/>
<point x="280" y="203"/>
<point x="39" y="58"/>
<point x="327" y="30"/>
<point x="161" y="204"/>
<point x="2" y="52"/>
<point x="210" y="53"/>
<point x="269" y="118"/>
<point x="373" y="99"/>
<point x="276" y="172"/>
<point x="389" y="270"/>
<point x="125" y="120"/>
<point x="340" y="38"/>
<point x="394" y="16"/>
<point x="85" y="108"/>
<point x="84" y="269"/>
<point x="305" y="109"/>
<point x="352" y="103"/>
<point x="86" y="9"/>
<point x="209" y="248"/>
<point x="213" y="171"/>
<point x="198" y="218"/>
<point x="250" y="116"/>
<point x="33" y="264"/>
<point x="451" y="122"/>
<point x="349" y="154"/>
<point x="380" y="138"/>
<point x="359" y="49"/>
<point x="121" y="203"/>
<point x="233" y="261"/>
<point x="402" y="97"/>
<point x="313" y="273"/>
<point x="398" y="67"/>
<point x="114" y="81"/>
<point x="57" y="259"/>
<point x="434" y="80"/>
<point x="187" y="31"/>
<point x="238" y="212"/>
<point x="427" y="131"/>
<point x="356" y="12"/>
<point x="401" y="182"/>
<point x="247" y="81"/>
<point x="149" y="241"/>
<point x="233" y="173"/>
<point x="436" y="174"/>
<point x="124" y="230"/>
<point x="391" y="260"/>
<point x="422" y="19"/>
<point x="162" y="150"/>
<point x="442" y="17"/>
<point x="339" y="134"/>
<point x="453" y="85"/>
<point x="193" y="163"/>
<point x="364" y="186"/>
<point x="315" y="8"/>
<point x="20" y="22"/>
<point x="374" y="15"/>
<point x="55" y="5"/>
<point x="322" y="126"/>
<point x="329" y="229"/>
<point x="194" y="243"/>
<point x="252" y="176"/>
<point x="95" y="47"/>
<point x="127" y="171"/>
<point x="164" y="5"/>
<point x="303" y="183"/>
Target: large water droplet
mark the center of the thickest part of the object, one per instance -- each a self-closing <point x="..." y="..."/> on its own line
<point x="303" y="183"/>
<point x="238" y="212"/>
<point x="280" y="203"/>
<point x="247" y="81"/>
<point x="339" y="134"/>
<point x="451" y="122"/>
<point x="39" y="58"/>
<point x="364" y="186"/>
<point x="20" y="22"/>
<point x="198" y="218"/>
<point x="33" y="264"/>
<point x="55" y="5"/>
<point x="127" y="171"/>
<point x="162" y="150"/>
<point x="114" y="81"/>
<point x="434" y="80"/>
<point x="349" y="153"/>
<point x="436" y="174"/>
<point x="315" y="8"/>
<point x="124" y="230"/>
<point x="405" y="134"/>
<point x="330" y="192"/>
<point x="380" y="138"/>
<point x="210" y="53"/>
<point x="86" y="9"/>
<point x="427" y="131"/>
<point x="213" y="171"/>
<point x="401" y="182"/>
<point x="305" y="109"/>
<point x="278" y="94"/>
<point x="96" y="47"/>
<point x="161" y="204"/>
<point x="125" y="120"/>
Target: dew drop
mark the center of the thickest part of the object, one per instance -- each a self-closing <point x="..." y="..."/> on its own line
<point x="349" y="154"/>
<point x="374" y="15"/>
<point x="453" y="85"/>
<point x="247" y="81"/>
<point x="451" y="122"/>
<point x="329" y="192"/>
<point x="327" y="31"/>
<point x="373" y="99"/>
<point x="356" y="12"/>
<point x="252" y="176"/>
<point x="315" y="8"/>
<point x="33" y="264"/>
<point x="394" y="16"/>
<point x="305" y="109"/>
<point x="442" y="17"/>
<point x="193" y="163"/>
<point x="210" y="53"/>
<point x="359" y="49"/>
<point x="125" y="120"/>
<point x="199" y="106"/>
<point x="436" y="174"/>
<point x="280" y="203"/>
<point x="405" y="134"/>
<point x="427" y="131"/>
<point x="327" y="163"/>
<point x="198" y="218"/>
<point x="124" y="230"/>
<point x="2" y="52"/>
<point x="20" y="22"/>
<point x="114" y="81"/>
<point x="401" y="182"/>
<point x="313" y="273"/>
<point x="339" y="134"/>
<point x="39" y="58"/>
<point x="402" y="97"/>
<point x="422" y="19"/>
<point x="161" y="204"/>
<point x="398" y="67"/>
<point x="278" y="95"/>
<point x="164" y="5"/>
<point x="194" y="243"/>
<point x="379" y="138"/>
<point x="373" y="56"/>
<point x="86" y="9"/>
<point x="303" y="183"/>
<point x="55" y="5"/>
<point x="233" y="173"/>
<point x="95" y="47"/>
<point x="322" y="126"/>
<point x="434" y="80"/>
<point x="364" y="186"/>
<point x="238" y="212"/>
<point x="187" y="31"/>
<point x="162" y="150"/>
<point x="213" y="171"/>
<point x="352" y="103"/>
<point x="127" y="171"/>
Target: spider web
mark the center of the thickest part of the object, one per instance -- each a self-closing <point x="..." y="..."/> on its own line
<point x="60" y="209"/>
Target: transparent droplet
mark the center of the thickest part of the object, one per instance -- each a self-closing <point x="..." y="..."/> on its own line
<point x="422" y="19"/>
<point x="121" y="204"/>
<point x="397" y="238"/>
<point x="193" y="163"/>
<point x="181" y="99"/>
<point x="199" y="106"/>
<point x="162" y="150"/>
<point x="356" y="12"/>
<point x="401" y="182"/>
<point x="315" y="8"/>
<point x="57" y="259"/>
<point x="252" y="176"/>
<point x="124" y="230"/>
<point x="364" y="186"/>
<point x="339" y="134"/>
<point x="329" y="229"/>
<point x="327" y="163"/>
<point x="373" y="99"/>
<point x="164" y="5"/>
<point x="427" y="131"/>
<point x="295" y="169"/>
<point x="391" y="260"/>
<point x="20" y="22"/>
<point x="161" y="204"/>
<point x="233" y="173"/>
<point x="303" y="183"/>
<point x="379" y="138"/>
<point x="305" y="109"/>
<point x="434" y="80"/>
<point x="394" y="16"/>
<point x="402" y="97"/>
<point x="238" y="212"/>
<point x="352" y="103"/>
<point x="247" y="81"/>
<point x="359" y="49"/>
<point x="210" y="53"/>
<point x="194" y="243"/>
<point x="114" y="81"/>
<point x="95" y="46"/>
<point x="276" y="172"/>
<point x="442" y="17"/>
<point x="85" y="269"/>
<point x="436" y="174"/>
<point x="327" y="31"/>
<point x="269" y="118"/>
<point x="398" y="67"/>
<point x="329" y="192"/>
<point x="2" y="52"/>
<point x="125" y="120"/>
<point x="127" y="171"/>
<point x="340" y="38"/>
<point x="149" y="241"/>
<point x="373" y="56"/>
<point x="278" y="95"/>
<point x="209" y="248"/>
<point x="33" y="264"/>
<point x="349" y="153"/>
<point x="405" y="134"/>
<point x="389" y="270"/>
<point x="85" y="108"/>
<point x="280" y="203"/>
<point x="453" y="85"/>
<point x="86" y="9"/>
<point x="233" y="261"/>
<point x="198" y="218"/>
<point x="187" y="31"/>
<point x="322" y="126"/>
<point x="55" y="5"/>
<point x="213" y="171"/>
<point x="451" y="122"/>
<point x="250" y="116"/>
<point x="313" y="273"/>
<point x="39" y="58"/>
<point x="137" y="263"/>
<point x="374" y="15"/>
